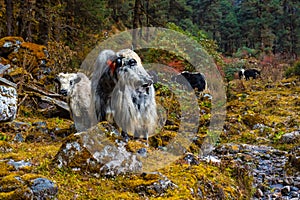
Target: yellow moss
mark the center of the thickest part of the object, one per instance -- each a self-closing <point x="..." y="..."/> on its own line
<point x="28" y="177"/>
<point x="3" y="144"/>
<point x="134" y="145"/>
<point x="58" y="123"/>
<point x="233" y="183"/>
<point x="10" y="179"/>
<point x="5" y="169"/>
<point x="6" y="195"/>
<point x="234" y="147"/>
<point x="19" y="71"/>
<point x="34" y="152"/>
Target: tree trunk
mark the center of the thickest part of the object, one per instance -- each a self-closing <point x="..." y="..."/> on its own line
<point x="136" y="22"/>
<point x="9" y="16"/>
<point x="42" y="16"/>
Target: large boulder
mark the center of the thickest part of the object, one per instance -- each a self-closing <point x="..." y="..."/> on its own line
<point x="291" y="138"/>
<point x="93" y="153"/>
<point x="27" y="60"/>
<point x="8" y="103"/>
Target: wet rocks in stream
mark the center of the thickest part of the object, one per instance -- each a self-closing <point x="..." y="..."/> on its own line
<point x="270" y="168"/>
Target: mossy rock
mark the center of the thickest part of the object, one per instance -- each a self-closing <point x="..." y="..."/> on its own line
<point x="12" y="39"/>
<point x="93" y="153"/>
<point x="21" y="186"/>
<point x="252" y="119"/>
<point x="9" y="44"/>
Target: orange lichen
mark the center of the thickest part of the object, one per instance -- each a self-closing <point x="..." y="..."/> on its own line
<point x="35" y="49"/>
<point x="12" y="39"/>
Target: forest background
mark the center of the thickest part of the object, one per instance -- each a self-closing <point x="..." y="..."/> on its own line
<point x="263" y="34"/>
<point x="72" y="28"/>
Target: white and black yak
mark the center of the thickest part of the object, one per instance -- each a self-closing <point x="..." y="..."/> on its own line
<point x="247" y="73"/>
<point x="123" y="93"/>
<point x="77" y="87"/>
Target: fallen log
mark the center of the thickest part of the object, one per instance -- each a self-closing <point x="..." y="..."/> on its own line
<point x="61" y="104"/>
<point x="7" y="82"/>
<point x="41" y="91"/>
<point x="56" y="102"/>
<point x="46" y="96"/>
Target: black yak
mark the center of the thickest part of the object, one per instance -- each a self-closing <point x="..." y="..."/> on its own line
<point x="196" y="80"/>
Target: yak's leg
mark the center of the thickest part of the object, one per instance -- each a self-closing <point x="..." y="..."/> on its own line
<point x="125" y="136"/>
<point x="142" y="137"/>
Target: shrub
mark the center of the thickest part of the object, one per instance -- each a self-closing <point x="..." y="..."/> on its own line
<point x="293" y="70"/>
<point x="245" y="52"/>
<point x="232" y="67"/>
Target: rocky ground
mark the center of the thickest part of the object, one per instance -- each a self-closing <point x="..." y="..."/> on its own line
<point x="256" y="157"/>
<point x="262" y="129"/>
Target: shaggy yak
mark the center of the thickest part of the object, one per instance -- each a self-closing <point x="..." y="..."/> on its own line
<point x="77" y="87"/>
<point x="123" y="93"/>
<point x="247" y="73"/>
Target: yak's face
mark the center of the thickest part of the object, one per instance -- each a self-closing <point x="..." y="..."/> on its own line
<point x="132" y="75"/>
<point x="67" y="82"/>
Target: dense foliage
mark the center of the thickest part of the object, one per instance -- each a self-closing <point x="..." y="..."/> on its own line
<point x="270" y="26"/>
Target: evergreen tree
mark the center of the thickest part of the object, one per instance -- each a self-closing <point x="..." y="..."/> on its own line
<point x="229" y="28"/>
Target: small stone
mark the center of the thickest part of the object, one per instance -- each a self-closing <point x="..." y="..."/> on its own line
<point x="276" y="195"/>
<point x="5" y="147"/>
<point x="285" y="190"/>
<point x="259" y="193"/>
<point x="19" y="138"/>
<point x="43" y="188"/>
<point x="276" y="186"/>
<point x="286" y="181"/>
<point x="142" y="152"/>
<point x="40" y="124"/>
<point x="280" y="181"/>
<point x="265" y="156"/>
<point x="199" y="193"/>
<point x="297" y="184"/>
<point x="290" y="137"/>
<point x="294" y="189"/>
<point x="294" y="194"/>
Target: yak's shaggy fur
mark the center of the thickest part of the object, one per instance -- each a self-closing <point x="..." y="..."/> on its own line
<point x="77" y="87"/>
<point x="123" y="93"/>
